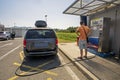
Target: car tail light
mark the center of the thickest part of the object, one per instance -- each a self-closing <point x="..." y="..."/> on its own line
<point x="56" y="41"/>
<point x="24" y="43"/>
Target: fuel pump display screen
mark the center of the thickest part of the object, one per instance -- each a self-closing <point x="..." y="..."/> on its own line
<point x="96" y="27"/>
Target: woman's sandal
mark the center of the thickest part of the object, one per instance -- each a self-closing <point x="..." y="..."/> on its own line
<point x="85" y="56"/>
<point x="80" y="58"/>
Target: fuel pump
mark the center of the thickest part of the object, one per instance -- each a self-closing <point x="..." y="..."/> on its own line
<point x="100" y="28"/>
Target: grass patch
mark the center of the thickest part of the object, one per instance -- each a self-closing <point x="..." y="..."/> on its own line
<point x="66" y="37"/>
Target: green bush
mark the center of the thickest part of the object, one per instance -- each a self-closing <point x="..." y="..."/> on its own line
<point x="66" y="37"/>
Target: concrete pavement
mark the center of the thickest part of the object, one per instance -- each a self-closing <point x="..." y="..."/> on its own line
<point x="94" y="67"/>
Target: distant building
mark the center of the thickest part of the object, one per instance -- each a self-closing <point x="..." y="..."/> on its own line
<point x="2" y="27"/>
<point x="19" y="31"/>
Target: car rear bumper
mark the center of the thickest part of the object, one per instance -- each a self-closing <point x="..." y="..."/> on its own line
<point x="3" y="37"/>
<point x="45" y="53"/>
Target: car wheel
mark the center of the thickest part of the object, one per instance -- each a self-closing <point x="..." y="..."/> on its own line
<point x="7" y="38"/>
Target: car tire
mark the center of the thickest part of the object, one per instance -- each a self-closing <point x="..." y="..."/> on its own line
<point x="7" y="38"/>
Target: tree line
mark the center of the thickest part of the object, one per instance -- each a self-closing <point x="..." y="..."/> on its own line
<point x="69" y="30"/>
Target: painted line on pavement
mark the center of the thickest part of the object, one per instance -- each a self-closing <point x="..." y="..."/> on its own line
<point x="33" y="68"/>
<point x="6" y="45"/>
<point x="88" y="72"/>
<point x="15" y="77"/>
<point x="69" y="70"/>
<point x="9" y="52"/>
<point x="21" y="55"/>
<point x="4" y="41"/>
<point x="81" y="67"/>
<point x="49" y="78"/>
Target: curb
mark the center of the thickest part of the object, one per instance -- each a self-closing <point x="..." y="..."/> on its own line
<point x="85" y="71"/>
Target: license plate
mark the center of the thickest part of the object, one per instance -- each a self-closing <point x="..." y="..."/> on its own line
<point x="41" y="45"/>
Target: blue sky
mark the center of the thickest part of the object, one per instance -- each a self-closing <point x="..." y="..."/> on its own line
<point x="26" y="12"/>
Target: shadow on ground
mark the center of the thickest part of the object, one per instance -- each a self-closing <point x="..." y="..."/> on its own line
<point x="35" y="65"/>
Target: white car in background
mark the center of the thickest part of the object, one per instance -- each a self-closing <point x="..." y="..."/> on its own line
<point x="5" y="35"/>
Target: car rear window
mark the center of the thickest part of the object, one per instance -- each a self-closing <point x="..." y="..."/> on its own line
<point x="40" y="33"/>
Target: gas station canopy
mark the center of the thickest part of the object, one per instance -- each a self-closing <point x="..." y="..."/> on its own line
<point x="88" y="7"/>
